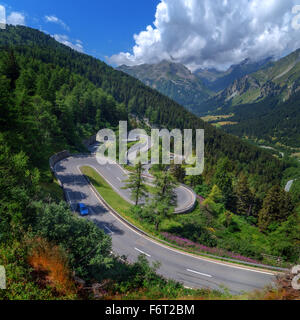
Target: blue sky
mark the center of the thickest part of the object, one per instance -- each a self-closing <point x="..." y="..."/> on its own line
<point x="105" y="27"/>
<point x="196" y="33"/>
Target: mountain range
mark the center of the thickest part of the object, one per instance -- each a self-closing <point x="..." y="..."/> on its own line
<point x="193" y="90"/>
<point x="219" y="80"/>
<point x="173" y="80"/>
<point x="82" y="94"/>
<point x="279" y="79"/>
<point x="230" y="98"/>
<point x="51" y="99"/>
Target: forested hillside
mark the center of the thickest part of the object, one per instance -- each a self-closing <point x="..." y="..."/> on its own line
<point x="279" y="80"/>
<point x="37" y="51"/>
<point x="270" y="120"/>
<point x="51" y="98"/>
<point x="218" y="80"/>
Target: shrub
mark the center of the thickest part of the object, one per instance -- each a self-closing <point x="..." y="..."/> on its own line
<point x="52" y="262"/>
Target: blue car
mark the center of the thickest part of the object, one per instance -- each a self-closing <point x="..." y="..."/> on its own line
<point x="83" y="210"/>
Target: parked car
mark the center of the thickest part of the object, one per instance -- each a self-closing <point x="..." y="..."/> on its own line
<point x="83" y="209"/>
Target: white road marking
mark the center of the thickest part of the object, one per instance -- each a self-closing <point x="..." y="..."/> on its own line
<point x="146" y="254"/>
<point x="108" y="229"/>
<point x="178" y="251"/>
<point x="119" y="179"/>
<point x="68" y="196"/>
<point x="167" y="247"/>
<point x="201" y="274"/>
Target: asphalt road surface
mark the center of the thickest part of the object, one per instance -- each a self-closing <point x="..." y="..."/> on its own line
<point x="192" y="271"/>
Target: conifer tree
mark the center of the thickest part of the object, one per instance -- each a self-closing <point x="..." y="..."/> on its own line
<point x="136" y="184"/>
<point x="223" y="180"/>
<point x="277" y="207"/>
<point x="164" y="201"/>
<point x="11" y="69"/>
<point x="178" y="172"/>
<point x="245" y="198"/>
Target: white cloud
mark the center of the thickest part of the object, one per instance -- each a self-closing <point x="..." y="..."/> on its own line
<point x="16" y="18"/>
<point x="64" y="39"/>
<point x="56" y="20"/>
<point x="214" y="33"/>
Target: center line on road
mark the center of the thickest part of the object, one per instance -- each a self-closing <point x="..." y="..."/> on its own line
<point x="146" y="254"/>
<point x="202" y="274"/>
<point x="108" y="229"/>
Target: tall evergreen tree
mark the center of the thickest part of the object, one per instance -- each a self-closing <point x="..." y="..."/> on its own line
<point x="164" y="201"/>
<point x="178" y="172"/>
<point x="277" y="207"/>
<point x="194" y="181"/>
<point x="215" y="201"/>
<point x="223" y="180"/>
<point x="10" y="68"/>
<point x="136" y="184"/>
<point x="6" y="118"/>
<point x="165" y="185"/>
<point x="245" y="198"/>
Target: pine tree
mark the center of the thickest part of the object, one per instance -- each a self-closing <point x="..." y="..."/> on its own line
<point x="223" y="180"/>
<point x="6" y="118"/>
<point x="157" y="211"/>
<point x="277" y="207"/>
<point x="245" y="198"/>
<point x="136" y="184"/>
<point x="178" y="172"/>
<point x="165" y="187"/>
<point x="11" y="69"/>
<point x="98" y="118"/>
<point x="194" y="181"/>
<point x="215" y="201"/>
<point x="164" y="201"/>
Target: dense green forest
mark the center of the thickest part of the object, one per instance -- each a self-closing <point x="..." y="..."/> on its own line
<point x="32" y="46"/>
<point x="270" y="120"/>
<point x="51" y="98"/>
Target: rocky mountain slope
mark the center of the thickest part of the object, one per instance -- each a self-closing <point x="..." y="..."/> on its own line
<point x="217" y="80"/>
<point x="173" y="80"/>
<point x="279" y="79"/>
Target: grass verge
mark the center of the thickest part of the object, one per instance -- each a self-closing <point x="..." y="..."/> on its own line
<point x="113" y="198"/>
<point x="124" y="209"/>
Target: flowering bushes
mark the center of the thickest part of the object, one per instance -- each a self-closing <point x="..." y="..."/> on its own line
<point x="199" y="247"/>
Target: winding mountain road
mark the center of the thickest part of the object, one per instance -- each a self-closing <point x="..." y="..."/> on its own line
<point x="192" y="271"/>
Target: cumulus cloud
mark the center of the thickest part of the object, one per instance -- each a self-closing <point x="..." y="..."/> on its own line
<point x="16" y="18"/>
<point x="214" y="33"/>
<point x="56" y="20"/>
<point x="64" y="39"/>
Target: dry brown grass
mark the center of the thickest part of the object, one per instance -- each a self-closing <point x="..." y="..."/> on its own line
<point x="283" y="290"/>
<point x="225" y="123"/>
<point x="50" y="264"/>
<point x="296" y="155"/>
<point x="217" y="118"/>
